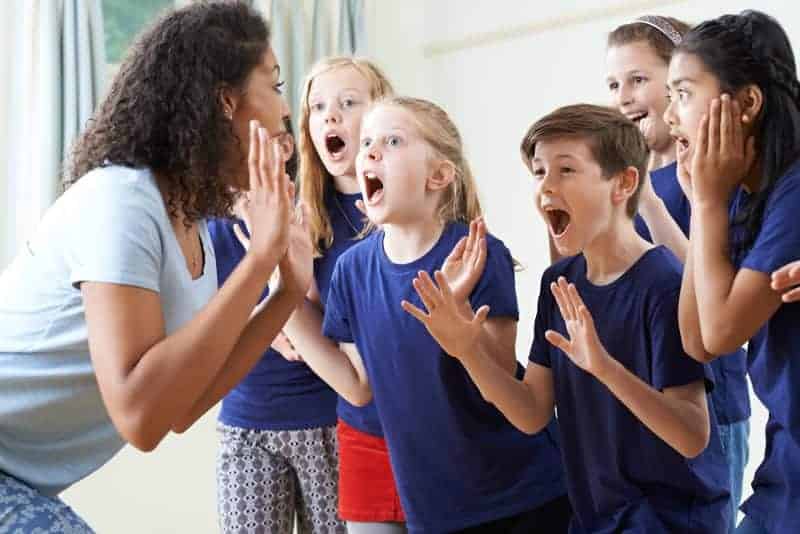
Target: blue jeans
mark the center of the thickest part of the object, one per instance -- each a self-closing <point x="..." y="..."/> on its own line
<point x="23" y="509"/>
<point x="734" y="444"/>
<point x="748" y="526"/>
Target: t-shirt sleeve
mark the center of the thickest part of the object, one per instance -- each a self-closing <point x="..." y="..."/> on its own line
<point x="336" y="323"/>
<point x="778" y="242"/>
<point x="671" y="366"/>
<point x="496" y="287"/>
<point x="120" y="241"/>
<point x="540" y="347"/>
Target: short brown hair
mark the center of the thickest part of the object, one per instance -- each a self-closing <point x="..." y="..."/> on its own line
<point x="636" y="31"/>
<point x="614" y="140"/>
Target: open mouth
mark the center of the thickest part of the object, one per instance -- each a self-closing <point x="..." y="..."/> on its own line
<point x="558" y="220"/>
<point x="682" y="142"/>
<point x="637" y="117"/>
<point x="335" y="145"/>
<point x="373" y="188"/>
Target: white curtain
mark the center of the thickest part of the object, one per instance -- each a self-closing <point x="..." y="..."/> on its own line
<point x="304" y="31"/>
<point x="56" y="81"/>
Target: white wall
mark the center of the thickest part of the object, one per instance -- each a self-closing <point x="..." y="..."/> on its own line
<point x="6" y="30"/>
<point x="498" y="67"/>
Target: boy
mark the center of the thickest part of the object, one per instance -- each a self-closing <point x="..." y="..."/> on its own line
<point x="639" y="446"/>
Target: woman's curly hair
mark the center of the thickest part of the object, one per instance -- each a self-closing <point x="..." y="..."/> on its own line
<point x="163" y="110"/>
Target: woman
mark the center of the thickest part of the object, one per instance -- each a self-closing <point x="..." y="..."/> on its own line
<point x="112" y="329"/>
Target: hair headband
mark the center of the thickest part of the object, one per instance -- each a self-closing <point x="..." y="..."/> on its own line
<point x="662" y="25"/>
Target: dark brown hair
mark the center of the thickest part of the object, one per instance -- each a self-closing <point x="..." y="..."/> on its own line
<point x="163" y="111"/>
<point x="636" y="31"/>
<point x="614" y="140"/>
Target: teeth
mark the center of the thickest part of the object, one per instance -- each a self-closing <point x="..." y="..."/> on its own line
<point x="370" y="175"/>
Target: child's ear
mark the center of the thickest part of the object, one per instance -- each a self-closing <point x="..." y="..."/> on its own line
<point x="625" y="185"/>
<point x="444" y="172"/>
<point x="751" y="100"/>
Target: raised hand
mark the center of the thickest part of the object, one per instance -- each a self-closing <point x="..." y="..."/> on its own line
<point x="722" y="157"/>
<point x="268" y="204"/>
<point x="464" y="266"/>
<point x="296" y="268"/>
<point x="785" y="279"/>
<point x="444" y="317"/>
<point x="583" y="346"/>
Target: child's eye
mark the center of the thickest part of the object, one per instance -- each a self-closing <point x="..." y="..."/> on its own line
<point x="348" y="103"/>
<point x="567" y="170"/>
<point x="279" y="87"/>
<point x="538" y="173"/>
<point x="639" y="79"/>
<point x="613" y="86"/>
<point x="683" y="95"/>
<point x="366" y="142"/>
<point x="393" y="140"/>
<point x="316" y="106"/>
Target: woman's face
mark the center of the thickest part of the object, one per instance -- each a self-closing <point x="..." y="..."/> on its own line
<point x="260" y="99"/>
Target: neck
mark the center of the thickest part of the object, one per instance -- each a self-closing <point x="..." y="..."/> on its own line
<point x="404" y="243"/>
<point x="661" y="157"/>
<point x="614" y="251"/>
<point x="346" y="184"/>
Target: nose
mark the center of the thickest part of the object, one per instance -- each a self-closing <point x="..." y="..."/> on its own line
<point x="669" y="114"/>
<point x="373" y="154"/>
<point x="332" y="115"/>
<point x="624" y="95"/>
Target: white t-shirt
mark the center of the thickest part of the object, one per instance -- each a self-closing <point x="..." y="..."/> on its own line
<point x="111" y="226"/>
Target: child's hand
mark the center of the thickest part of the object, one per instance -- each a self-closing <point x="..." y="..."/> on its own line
<point x="684" y="174"/>
<point x="583" y="346"/>
<point x="456" y="330"/>
<point x="722" y="157"/>
<point x="785" y="278"/>
<point x="464" y="266"/>
<point x="284" y="346"/>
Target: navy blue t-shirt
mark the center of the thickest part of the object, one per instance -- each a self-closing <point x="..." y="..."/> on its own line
<point x="774" y="362"/>
<point x="731" y="397"/>
<point x="620" y="475"/>
<point x="457" y="461"/>
<point x="276" y="394"/>
<point x="347" y="222"/>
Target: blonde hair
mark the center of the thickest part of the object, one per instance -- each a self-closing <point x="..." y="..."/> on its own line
<point x="313" y="174"/>
<point x="460" y="200"/>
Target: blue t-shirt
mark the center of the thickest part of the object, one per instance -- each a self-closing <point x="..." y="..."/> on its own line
<point x="731" y="396"/>
<point x="457" y="461"/>
<point x="347" y="222"/>
<point x="276" y="394"/>
<point x="112" y="227"/>
<point x="620" y="475"/>
<point x="774" y="362"/>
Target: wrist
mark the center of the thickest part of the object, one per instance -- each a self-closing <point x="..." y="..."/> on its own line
<point x="606" y="371"/>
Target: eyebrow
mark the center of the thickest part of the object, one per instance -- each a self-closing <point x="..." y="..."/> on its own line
<point x="315" y="94"/>
<point x="679" y="81"/>
<point x="627" y="73"/>
<point x="557" y="156"/>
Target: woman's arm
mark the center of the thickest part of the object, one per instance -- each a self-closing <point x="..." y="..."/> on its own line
<point x="149" y="381"/>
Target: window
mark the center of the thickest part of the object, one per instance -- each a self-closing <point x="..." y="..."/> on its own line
<point x="123" y="20"/>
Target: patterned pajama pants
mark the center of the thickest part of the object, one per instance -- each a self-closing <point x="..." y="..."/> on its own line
<point x="265" y="478"/>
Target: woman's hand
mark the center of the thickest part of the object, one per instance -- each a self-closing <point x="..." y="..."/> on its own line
<point x="267" y="207"/>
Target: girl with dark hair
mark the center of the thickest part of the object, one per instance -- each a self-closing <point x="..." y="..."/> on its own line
<point x="735" y="112"/>
<point x="113" y="330"/>
<point x="637" y="61"/>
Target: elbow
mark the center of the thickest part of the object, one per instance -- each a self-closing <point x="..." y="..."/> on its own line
<point x="359" y="397"/>
<point x="720" y="339"/>
<point x="137" y="430"/>
<point x="696" y="446"/>
<point x="694" y="347"/>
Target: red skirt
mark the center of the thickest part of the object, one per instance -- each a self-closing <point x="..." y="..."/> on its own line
<point x="367" y="490"/>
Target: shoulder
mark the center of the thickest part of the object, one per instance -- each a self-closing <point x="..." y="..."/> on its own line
<point x="117" y="187"/>
<point x="659" y="276"/>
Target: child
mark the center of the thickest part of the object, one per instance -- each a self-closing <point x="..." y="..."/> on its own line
<point x="286" y="390"/>
<point x="459" y="465"/>
<point x="735" y="110"/>
<point x="638" y="59"/>
<point x="631" y="405"/>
